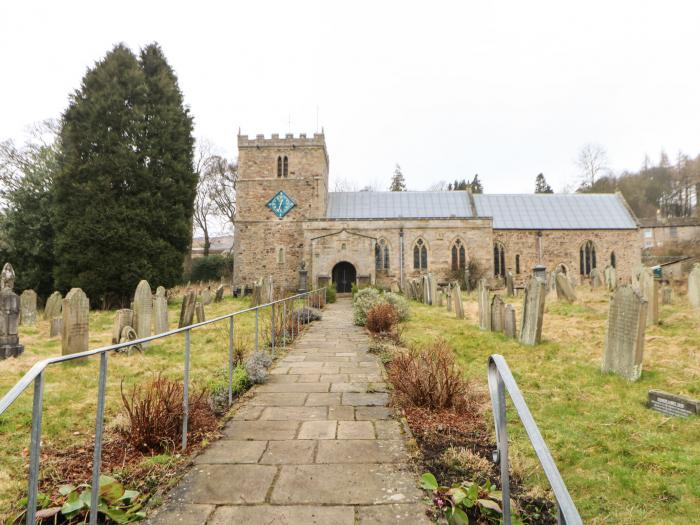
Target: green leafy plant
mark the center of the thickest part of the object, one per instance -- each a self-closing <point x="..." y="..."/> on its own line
<point x="464" y="500"/>
<point x="114" y="501"/>
<point x="331" y="293"/>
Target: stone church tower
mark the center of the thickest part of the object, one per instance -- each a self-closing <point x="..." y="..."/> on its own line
<point x="282" y="183"/>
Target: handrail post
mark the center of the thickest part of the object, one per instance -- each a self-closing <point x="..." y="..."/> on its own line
<point x="257" y="322"/>
<point x="284" y="324"/>
<point x="230" y="360"/>
<point x="185" y="392"/>
<point x="502" y="443"/>
<point x="35" y="448"/>
<point x="272" y="329"/>
<point x="99" y="426"/>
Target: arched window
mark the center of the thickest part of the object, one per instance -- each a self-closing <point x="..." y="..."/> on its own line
<point x="613" y="260"/>
<point x="279" y="166"/>
<point x="386" y="256"/>
<point x="499" y="260"/>
<point x="280" y="255"/>
<point x="587" y="258"/>
<point x="285" y="169"/>
<point x="517" y="263"/>
<point x="381" y="255"/>
<point x="377" y="257"/>
<point x="420" y="255"/>
<point x="459" y="256"/>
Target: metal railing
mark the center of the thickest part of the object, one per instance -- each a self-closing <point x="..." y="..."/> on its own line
<point x="289" y="305"/>
<point x="500" y="381"/>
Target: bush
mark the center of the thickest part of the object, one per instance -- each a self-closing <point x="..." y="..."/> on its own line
<point x="317" y="300"/>
<point x="382" y="318"/>
<point x="331" y="293"/>
<point x="210" y="268"/>
<point x="399" y="302"/>
<point x="429" y="378"/>
<point x="256" y="366"/>
<point x="218" y="387"/>
<point x="154" y="412"/>
<point x="362" y="303"/>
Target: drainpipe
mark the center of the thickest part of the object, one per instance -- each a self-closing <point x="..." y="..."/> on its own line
<point x="401" y="258"/>
<point x="539" y="246"/>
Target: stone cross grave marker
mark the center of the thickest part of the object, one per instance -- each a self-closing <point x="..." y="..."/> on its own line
<point x="497" y="314"/>
<point x="122" y="318"/>
<point x="564" y="289"/>
<point x="459" y="306"/>
<point x="76" y="322"/>
<point x="509" y="321"/>
<point x="160" y="311"/>
<point x="53" y="306"/>
<point x="694" y="286"/>
<point x="484" y="305"/>
<point x="143" y="309"/>
<point x="624" y="340"/>
<point x="27" y="308"/>
<point x="673" y="405"/>
<point x="187" y="310"/>
<point x="533" y="312"/>
<point x="650" y="290"/>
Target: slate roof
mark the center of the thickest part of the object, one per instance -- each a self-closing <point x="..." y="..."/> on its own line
<point x="509" y="211"/>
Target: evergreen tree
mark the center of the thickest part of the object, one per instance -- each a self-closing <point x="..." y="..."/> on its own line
<point x="475" y="186"/>
<point x="123" y="196"/>
<point x="541" y="185"/>
<point x="398" y="183"/>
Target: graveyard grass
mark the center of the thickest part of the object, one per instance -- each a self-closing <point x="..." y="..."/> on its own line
<point x="622" y="462"/>
<point x="70" y="389"/>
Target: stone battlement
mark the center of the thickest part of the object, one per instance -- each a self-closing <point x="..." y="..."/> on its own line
<point x="289" y="140"/>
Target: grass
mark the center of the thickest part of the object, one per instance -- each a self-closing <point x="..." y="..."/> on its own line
<point x="622" y="462"/>
<point x="70" y="388"/>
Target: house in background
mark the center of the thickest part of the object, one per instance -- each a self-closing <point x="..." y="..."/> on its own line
<point x="658" y="232"/>
<point x="219" y="245"/>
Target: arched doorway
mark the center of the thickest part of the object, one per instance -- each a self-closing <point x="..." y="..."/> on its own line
<point x="344" y="276"/>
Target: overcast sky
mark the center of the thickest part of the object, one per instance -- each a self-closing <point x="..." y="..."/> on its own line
<point x="445" y="89"/>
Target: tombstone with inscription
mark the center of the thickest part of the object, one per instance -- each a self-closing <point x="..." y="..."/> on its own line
<point x="457" y="297"/>
<point x="533" y="311"/>
<point x="484" y="305"/>
<point x="694" y="286"/>
<point x="219" y="294"/>
<point x="497" y="314"/>
<point x="187" y="310"/>
<point x="76" y="322"/>
<point x="650" y="290"/>
<point x="9" y="315"/>
<point x="143" y="309"/>
<point x="564" y="289"/>
<point x="53" y="306"/>
<point x="160" y="311"/>
<point x="624" y="340"/>
<point x="509" y="321"/>
<point x="510" y="287"/>
<point x="666" y="295"/>
<point x="123" y="317"/>
<point x="673" y="405"/>
<point x="27" y="308"/>
<point x="199" y="312"/>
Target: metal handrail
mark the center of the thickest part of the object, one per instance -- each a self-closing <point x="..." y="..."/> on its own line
<point x="500" y="380"/>
<point x="36" y="375"/>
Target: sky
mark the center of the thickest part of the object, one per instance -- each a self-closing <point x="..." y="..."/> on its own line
<point x="504" y="89"/>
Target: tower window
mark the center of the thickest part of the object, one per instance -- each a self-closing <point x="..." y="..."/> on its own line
<point x="613" y="259"/>
<point x="517" y="263"/>
<point x="459" y="256"/>
<point x="499" y="260"/>
<point x="587" y="258"/>
<point x="285" y="169"/>
<point x="280" y="255"/>
<point x="279" y="166"/>
<point x="420" y="255"/>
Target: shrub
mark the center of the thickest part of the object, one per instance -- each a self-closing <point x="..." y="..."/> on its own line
<point x="399" y="302"/>
<point x="154" y="412"/>
<point x="210" y="268"/>
<point x="331" y="293"/>
<point x="429" y="378"/>
<point x="362" y="303"/>
<point x="218" y="387"/>
<point x="256" y="366"/>
<point x="382" y="318"/>
<point x="317" y="300"/>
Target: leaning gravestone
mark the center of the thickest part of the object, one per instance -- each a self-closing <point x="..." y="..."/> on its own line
<point x="206" y="296"/>
<point x="27" y="308"/>
<point x="509" y="321"/>
<point x="650" y="290"/>
<point x="199" y="312"/>
<point x="564" y="289"/>
<point x="123" y="317"/>
<point x="510" y="287"/>
<point x="187" y="310"/>
<point x="666" y="295"/>
<point x="219" y="295"/>
<point x="484" y="306"/>
<point x="76" y="317"/>
<point x="457" y="296"/>
<point x="533" y="311"/>
<point x="53" y="306"/>
<point x="624" y="341"/>
<point x="143" y="309"/>
<point x="596" y="281"/>
<point x="694" y="286"/>
<point x="9" y="315"/>
<point x="497" y="314"/>
<point x="160" y="311"/>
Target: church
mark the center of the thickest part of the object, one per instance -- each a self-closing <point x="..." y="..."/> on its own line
<point x="288" y="219"/>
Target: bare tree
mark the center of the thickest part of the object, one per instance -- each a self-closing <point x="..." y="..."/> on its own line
<point x="204" y="206"/>
<point x="592" y="162"/>
<point x="344" y="185"/>
<point x="438" y="186"/>
<point x="223" y="189"/>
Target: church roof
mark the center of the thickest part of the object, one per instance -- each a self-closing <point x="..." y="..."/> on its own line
<point x="509" y="211"/>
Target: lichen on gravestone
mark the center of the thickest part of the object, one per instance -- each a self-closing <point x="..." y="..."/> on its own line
<point x="624" y="339"/>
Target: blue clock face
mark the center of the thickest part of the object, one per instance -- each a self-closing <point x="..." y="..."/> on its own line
<point x="280" y="204"/>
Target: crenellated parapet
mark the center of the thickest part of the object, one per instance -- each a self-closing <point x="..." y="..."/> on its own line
<point x="277" y="141"/>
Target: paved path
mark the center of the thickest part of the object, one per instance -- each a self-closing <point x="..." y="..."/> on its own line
<point x="314" y="444"/>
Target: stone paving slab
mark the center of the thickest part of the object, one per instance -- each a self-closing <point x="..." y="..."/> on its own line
<point x="316" y="443"/>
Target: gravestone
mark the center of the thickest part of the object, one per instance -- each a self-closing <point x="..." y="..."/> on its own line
<point x="53" y="306"/>
<point x="509" y="321"/>
<point x="666" y="295"/>
<point x="395" y="288"/>
<point x="510" y="287"/>
<point x="636" y="273"/>
<point x="533" y="311"/>
<point x="199" y="311"/>
<point x="55" y="327"/>
<point x="564" y="289"/>
<point x="441" y="298"/>
<point x="303" y="272"/>
<point x="448" y="297"/>
<point x="610" y="275"/>
<point x="624" y="341"/>
<point x="27" y="308"/>
<point x="206" y="296"/>
<point x="497" y="314"/>
<point x="76" y="322"/>
<point x="122" y="318"/>
<point x="484" y="305"/>
<point x="694" y="286"/>
<point x="187" y="310"/>
<point x="673" y="405"/>
<point x="457" y="297"/>
<point x="596" y="281"/>
<point x="433" y="288"/>
<point x="160" y="311"/>
<point x="9" y="315"/>
<point x="650" y="290"/>
<point x="467" y="280"/>
<point x="219" y="295"/>
<point x="143" y="309"/>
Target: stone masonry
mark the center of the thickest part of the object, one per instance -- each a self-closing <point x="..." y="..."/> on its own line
<point x="315" y="444"/>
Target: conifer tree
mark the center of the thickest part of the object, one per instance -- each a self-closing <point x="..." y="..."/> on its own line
<point x="475" y="186"/>
<point x="398" y="183"/>
<point x="541" y="185"/>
